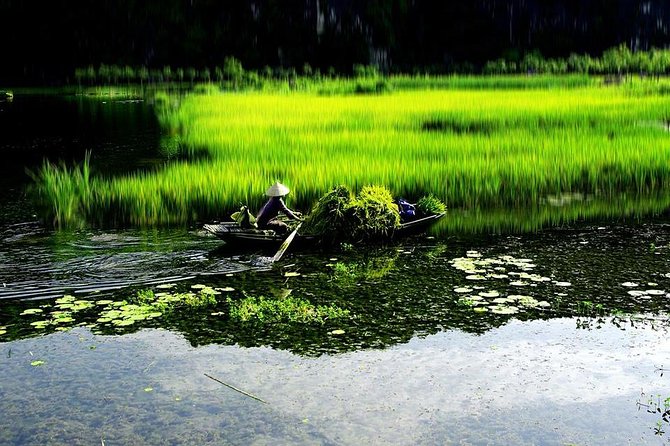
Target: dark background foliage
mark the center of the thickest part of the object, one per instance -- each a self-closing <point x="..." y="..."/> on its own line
<point x="44" y="41"/>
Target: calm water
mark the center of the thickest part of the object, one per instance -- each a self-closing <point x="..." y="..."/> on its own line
<point x="435" y="351"/>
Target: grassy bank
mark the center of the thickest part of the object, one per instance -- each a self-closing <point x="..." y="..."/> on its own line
<point x="490" y="147"/>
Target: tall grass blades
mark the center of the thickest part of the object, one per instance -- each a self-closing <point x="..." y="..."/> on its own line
<point x="473" y="149"/>
<point x="65" y="194"/>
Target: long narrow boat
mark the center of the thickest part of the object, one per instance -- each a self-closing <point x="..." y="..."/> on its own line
<point x="232" y="233"/>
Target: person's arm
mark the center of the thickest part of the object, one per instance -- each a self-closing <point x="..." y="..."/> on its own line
<point x="287" y="211"/>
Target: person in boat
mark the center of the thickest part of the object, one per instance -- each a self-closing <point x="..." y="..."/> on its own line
<point x="267" y="217"/>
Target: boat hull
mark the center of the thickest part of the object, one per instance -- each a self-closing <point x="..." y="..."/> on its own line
<point x="231" y="233"/>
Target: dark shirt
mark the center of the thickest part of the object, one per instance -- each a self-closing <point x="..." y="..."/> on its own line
<point x="271" y="210"/>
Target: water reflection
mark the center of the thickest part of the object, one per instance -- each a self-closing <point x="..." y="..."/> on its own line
<point x="534" y="382"/>
<point x="600" y="275"/>
<point x="556" y="212"/>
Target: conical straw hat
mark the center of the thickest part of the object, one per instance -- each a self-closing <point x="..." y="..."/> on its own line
<point x="277" y="190"/>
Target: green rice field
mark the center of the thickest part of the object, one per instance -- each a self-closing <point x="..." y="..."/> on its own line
<point x="476" y="149"/>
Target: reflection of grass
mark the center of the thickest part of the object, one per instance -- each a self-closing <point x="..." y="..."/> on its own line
<point x="370" y="269"/>
<point x="538" y="143"/>
<point x="534" y="218"/>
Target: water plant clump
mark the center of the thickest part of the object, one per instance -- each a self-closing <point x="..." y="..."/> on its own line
<point x="144" y="305"/>
<point x="64" y="194"/>
<point x="287" y="310"/>
<point x="500" y="268"/>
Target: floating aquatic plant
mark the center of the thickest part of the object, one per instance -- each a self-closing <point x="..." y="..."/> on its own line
<point x="480" y="268"/>
<point x="288" y="310"/>
<point x="143" y="306"/>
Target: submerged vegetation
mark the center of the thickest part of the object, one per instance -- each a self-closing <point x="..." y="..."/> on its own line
<point x="473" y="149"/>
<point x="287" y="310"/>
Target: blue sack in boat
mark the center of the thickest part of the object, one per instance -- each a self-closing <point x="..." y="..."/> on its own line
<point x="406" y="209"/>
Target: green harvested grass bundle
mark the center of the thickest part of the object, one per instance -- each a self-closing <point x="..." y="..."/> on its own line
<point x="327" y="218"/>
<point x="430" y="205"/>
<point x="373" y="214"/>
<point x="338" y="216"/>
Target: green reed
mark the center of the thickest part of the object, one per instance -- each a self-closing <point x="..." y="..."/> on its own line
<point x="489" y="148"/>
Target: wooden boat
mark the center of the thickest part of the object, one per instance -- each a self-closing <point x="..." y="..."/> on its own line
<point x="232" y="233"/>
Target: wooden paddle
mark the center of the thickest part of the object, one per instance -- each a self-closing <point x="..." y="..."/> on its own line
<point x="286" y="243"/>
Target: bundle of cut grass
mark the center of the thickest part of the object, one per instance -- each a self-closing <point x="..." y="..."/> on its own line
<point x="338" y="216"/>
<point x="372" y="215"/>
<point x="430" y="205"/>
<point x="327" y="218"/>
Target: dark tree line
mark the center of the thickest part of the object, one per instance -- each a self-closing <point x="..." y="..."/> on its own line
<point x="45" y="40"/>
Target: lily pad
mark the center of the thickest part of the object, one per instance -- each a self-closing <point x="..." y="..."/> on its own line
<point x="475" y="277"/>
<point x="630" y="284"/>
<point x="198" y="286"/>
<point x="655" y="292"/>
<point x="337" y="332"/>
<point x="225" y="289"/>
<point x="565" y="284"/>
<point x="37" y="363"/>
<point x="527" y="301"/>
<point x="123" y="322"/>
<point x="502" y="309"/>
<point x="104" y="302"/>
<point x="462" y="290"/>
<point x="491" y="293"/>
<point x="480" y="309"/>
<point x="519" y="283"/>
<point x="30" y="311"/>
<point x="65" y="300"/>
<point x="40" y="324"/>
